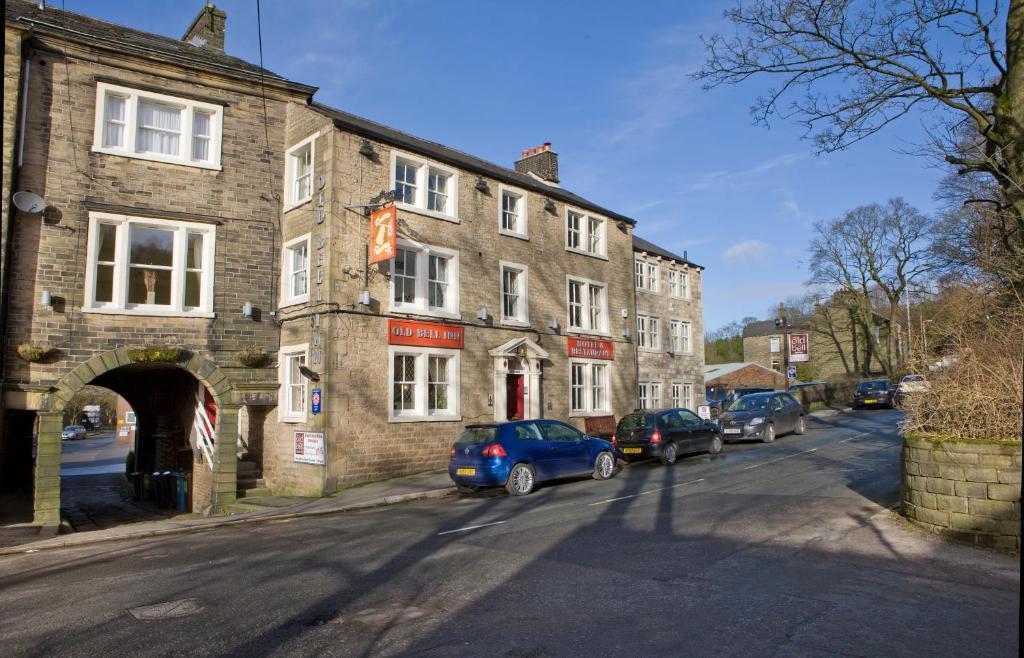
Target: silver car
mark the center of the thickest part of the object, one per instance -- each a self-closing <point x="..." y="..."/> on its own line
<point x="72" y="432"/>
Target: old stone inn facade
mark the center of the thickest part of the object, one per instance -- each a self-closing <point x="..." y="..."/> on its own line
<point x="290" y="297"/>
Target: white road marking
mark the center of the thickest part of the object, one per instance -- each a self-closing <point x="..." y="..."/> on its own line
<point x="471" y="527"/>
<point x="780" y="459"/>
<point x="612" y="500"/>
<point x="855" y="436"/>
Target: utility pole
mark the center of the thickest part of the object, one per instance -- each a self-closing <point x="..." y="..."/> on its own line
<point x="783" y="323"/>
<point x="910" y="343"/>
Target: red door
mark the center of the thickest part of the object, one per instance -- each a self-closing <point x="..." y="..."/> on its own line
<point x="514" y="396"/>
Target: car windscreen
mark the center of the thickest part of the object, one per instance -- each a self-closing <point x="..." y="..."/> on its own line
<point x="477" y="435"/>
<point x="913" y="378"/>
<point x="749" y="403"/>
<point x="872" y="386"/>
<point x="633" y="422"/>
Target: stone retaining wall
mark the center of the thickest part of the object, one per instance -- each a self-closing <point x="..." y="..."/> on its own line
<point x="962" y="489"/>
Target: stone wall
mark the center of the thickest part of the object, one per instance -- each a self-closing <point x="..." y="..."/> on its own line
<point x="965" y="490"/>
<point x="657" y="365"/>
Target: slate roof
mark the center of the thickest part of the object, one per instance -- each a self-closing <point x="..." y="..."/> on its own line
<point x="54" y="22"/>
<point x="446" y="154"/>
<point x="721" y="369"/>
<point x="639" y="244"/>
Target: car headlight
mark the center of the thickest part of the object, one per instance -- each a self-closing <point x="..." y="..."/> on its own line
<point x="756" y="421"/>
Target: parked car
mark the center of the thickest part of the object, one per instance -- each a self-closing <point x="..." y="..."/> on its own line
<point x="665" y="434"/>
<point x="72" y="432"/>
<point x="909" y="385"/>
<point x="518" y="454"/>
<point x="763" y="416"/>
<point x="873" y="393"/>
<point x="723" y="400"/>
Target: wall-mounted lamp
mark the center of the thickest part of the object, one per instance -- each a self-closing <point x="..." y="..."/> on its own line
<point x="553" y="324"/>
<point x="482" y="314"/>
<point x="311" y="375"/>
<point x="622" y="226"/>
<point x="625" y="313"/>
<point x="247" y="309"/>
<point x="549" y="205"/>
<point x="364" y="297"/>
<point x="46" y="299"/>
<point x="481" y="184"/>
<point x="625" y="333"/>
<point x="366" y="149"/>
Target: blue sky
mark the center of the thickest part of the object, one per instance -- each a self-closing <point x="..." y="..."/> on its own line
<point x="607" y="83"/>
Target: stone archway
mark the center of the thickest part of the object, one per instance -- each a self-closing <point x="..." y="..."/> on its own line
<point x="47" y="470"/>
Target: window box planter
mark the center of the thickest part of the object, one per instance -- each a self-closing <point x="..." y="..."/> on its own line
<point x="156" y="354"/>
<point x="33" y="353"/>
<point x="252" y="356"/>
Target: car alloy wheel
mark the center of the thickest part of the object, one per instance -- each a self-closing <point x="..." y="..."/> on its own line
<point x="520" y="480"/>
<point x="716" y="444"/>
<point x="604" y="466"/>
<point x="769" y="433"/>
<point x="668" y="455"/>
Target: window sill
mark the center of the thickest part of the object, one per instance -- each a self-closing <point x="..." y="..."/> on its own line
<point x="578" y="331"/>
<point x="519" y="324"/>
<point x="650" y="350"/>
<point x="157" y="313"/>
<point x="293" y="302"/>
<point x="436" y="418"/>
<point x="293" y="206"/>
<point x="587" y="253"/>
<point x="445" y="315"/>
<point x="648" y="292"/>
<point x="291" y="420"/>
<point x="151" y="157"/>
<point x="593" y="413"/>
<point x="512" y="234"/>
<point x="427" y="213"/>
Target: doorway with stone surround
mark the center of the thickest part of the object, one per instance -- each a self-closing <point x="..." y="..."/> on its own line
<point x="518" y="373"/>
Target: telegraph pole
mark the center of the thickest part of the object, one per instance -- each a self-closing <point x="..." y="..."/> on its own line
<point x="783" y="323"/>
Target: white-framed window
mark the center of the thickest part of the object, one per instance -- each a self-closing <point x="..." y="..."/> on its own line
<point x="777" y="365"/>
<point x="679" y="335"/>
<point x="513" y="216"/>
<point x="676" y="394"/>
<point x="587" y="305"/>
<point x="774" y="344"/>
<point x="585" y="233"/>
<point x="649" y="395"/>
<point x="588" y="387"/>
<point x="295" y="270"/>
<point x="424" y="186"/>
<point x="423" y="384"/>
<point x="688" y="396"/>
<point x="425" y="280"/>
<point x="148" y="266"/>
<point x="682" y="395"/>
<point x="648" y="332"/>
<point x="514" y="294"/>
<point x="158" y="127"/>
<point x="298" y="172"/>
<point x="678" y="284"/>
<point x="293" y="392"/>
<point x="646" y="275"/>
<point x="684" y="285"/>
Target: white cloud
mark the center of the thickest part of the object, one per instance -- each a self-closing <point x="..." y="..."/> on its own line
<point x="716" y="181"/>
<point x="748" y="252"/>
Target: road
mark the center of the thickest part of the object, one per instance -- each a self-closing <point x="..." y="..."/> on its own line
<point x="97" y="454"/>
<point x="781" y="549"/>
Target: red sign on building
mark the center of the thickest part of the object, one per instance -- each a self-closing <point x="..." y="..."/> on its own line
<point x="425" y="334"/>
<point x="382" y="234"/>
<point x="589" y="348"/>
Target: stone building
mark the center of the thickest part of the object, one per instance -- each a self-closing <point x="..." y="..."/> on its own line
<point x="669" y="328"/>
<point x="507" y="297"/>
<point x="726" y="377"/>
<point x="155" y="260"/>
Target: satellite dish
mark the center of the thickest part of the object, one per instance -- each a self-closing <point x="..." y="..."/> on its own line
<point x="29" y="202"/>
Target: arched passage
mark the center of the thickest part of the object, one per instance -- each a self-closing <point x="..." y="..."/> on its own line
<point x="160" y="390"/>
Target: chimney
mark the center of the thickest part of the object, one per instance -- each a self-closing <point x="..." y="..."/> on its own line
<point x="207" y="30"/>
<point x="541" y="162"/>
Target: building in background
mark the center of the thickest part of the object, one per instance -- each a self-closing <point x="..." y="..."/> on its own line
<point x="669" y="328"/>
<point x="726" y="377"/>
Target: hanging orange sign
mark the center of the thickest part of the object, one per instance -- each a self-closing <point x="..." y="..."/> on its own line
<point x="383" y="223"/>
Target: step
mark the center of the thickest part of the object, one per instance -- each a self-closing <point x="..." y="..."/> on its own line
<point x="247" y="467"/>
<point x="255" y="492"/>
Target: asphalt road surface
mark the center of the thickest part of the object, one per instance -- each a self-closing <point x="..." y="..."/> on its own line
<point x="100" y="453"/>
<point x="781" y="549"/>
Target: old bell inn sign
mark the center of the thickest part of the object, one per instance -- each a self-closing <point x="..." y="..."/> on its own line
<point x="425" y="334"/>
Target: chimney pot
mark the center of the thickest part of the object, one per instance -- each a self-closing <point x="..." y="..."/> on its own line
<point x="544" y="165"/>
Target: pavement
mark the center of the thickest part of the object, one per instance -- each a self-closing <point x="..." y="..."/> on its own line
<point x="783" y="549"/>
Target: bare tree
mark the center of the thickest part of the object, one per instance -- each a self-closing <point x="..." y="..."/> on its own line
<point x="874" y="253"/>
<point x="855" y="66"/>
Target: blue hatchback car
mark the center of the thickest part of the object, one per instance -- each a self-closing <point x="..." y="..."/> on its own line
<point x="520" y="453"/>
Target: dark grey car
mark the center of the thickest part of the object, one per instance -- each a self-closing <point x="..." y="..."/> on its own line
<point x="763" y="416"/>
